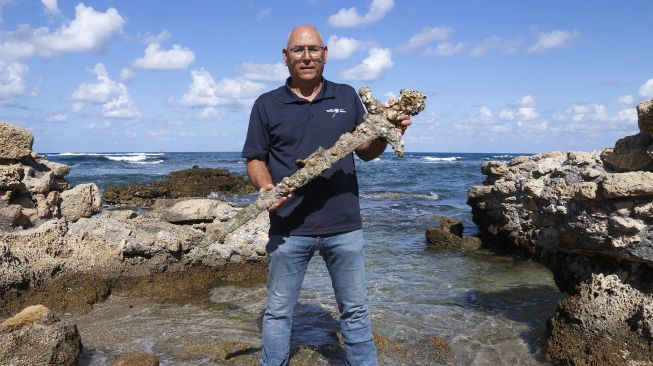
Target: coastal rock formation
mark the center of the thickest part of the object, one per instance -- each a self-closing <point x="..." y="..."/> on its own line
<point x="588" y="216"/>
<point x="449" y="235"/>
<point x="50" y="244"/>
<point x="194" y="182"/>
<point x="15" y="142"/>
<point x="33" y="189"/>
<point x="37" y="337"/>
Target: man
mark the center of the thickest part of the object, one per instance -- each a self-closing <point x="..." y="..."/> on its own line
<point x="287" y="124"/>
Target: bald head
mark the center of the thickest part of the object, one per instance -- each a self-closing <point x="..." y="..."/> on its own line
<point x="302" y="32"/>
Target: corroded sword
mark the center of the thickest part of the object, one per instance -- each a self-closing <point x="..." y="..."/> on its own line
<point x="380" y="122"/>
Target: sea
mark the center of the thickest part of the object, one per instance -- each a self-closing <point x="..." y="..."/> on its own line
<point x="491" y="309"/>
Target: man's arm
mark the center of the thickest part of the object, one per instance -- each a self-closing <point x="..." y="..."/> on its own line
<point x="259" y="175"/>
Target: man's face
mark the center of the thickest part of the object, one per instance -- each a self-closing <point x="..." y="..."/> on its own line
<point x="305" y="55"/>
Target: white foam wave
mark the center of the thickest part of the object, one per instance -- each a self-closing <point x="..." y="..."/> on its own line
<point x="146" y="162"/>
<point x="107" y="154"/>
<point x="128" y="158"/>
<point x="400" y="195"/>
<point x="435" y="159"/>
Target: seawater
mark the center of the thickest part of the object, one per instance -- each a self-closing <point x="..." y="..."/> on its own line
<point x="492" y="310"/>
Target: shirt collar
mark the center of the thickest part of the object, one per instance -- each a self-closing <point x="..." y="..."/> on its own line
<point x="289" y="97"/>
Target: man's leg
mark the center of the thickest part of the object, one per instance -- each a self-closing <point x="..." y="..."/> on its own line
<point x="288" y="258"/>
<point x="344" y="257"/>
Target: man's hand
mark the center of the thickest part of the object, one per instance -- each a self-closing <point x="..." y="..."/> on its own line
<point x="277" y="204"/>
<point x="404" y="120"/>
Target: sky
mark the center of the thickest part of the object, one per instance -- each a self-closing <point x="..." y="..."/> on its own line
<point x="500" y="76"/>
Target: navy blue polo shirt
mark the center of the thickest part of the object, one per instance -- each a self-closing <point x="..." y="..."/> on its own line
<point x="284" y="128"/>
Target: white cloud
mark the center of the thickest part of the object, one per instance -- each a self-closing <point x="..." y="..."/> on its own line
<point x="127" y="75"/>
<point x="485" y="113"/>
<point x="372" y="67"/>
<point x="425" y="36"/>
<point x="522" y="110"/>
<point x="205" y="92"/>
<point x="163" y="36"/>
<point x="212" y="113"/>
<point x="264" y="72"/>
<point x="121" y="106"/>
<point x="554" y="39"/>
<point x="12" y="82"/>
<point x="89" y="31"/>
<point x="157" y="59"/>
<point x="263" y="13"/>
<point x="59" y="117"/>
<point x="628" y="116"/>
<point x="351" y="18"/>
<point x="113" y="96"/>
<point x="626" y="99"/>
<point x="446" y="49"/>
<point x="51" y="6"/>
<point x="341" y="47"/>
<point x="646" y="90"/>
<point x="506" y="46"/>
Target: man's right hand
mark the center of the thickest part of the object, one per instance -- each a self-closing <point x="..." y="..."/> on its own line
<point x="280" y="202"/>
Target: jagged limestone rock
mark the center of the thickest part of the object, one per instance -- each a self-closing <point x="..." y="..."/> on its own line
<point x="380" y="122"/>
<point x="15" y="142"/>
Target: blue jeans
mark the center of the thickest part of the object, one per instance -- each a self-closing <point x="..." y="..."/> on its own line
<point x="288" y="258"/>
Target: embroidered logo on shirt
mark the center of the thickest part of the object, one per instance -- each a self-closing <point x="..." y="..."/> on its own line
<point x="335" y="111"/>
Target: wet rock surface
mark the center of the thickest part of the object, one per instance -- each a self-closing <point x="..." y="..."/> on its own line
<point x="584" y="215"/>
<point x="449" y="235"/>
<point x="194" y="182"/>
<point x="37" y="337"/>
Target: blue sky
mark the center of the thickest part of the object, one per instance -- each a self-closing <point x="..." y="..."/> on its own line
<point x="501" y="76"/>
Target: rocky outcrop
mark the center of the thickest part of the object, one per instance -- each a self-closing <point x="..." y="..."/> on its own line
<point x="15" y="142"/>
<point x="50" y="242"/>
<point x="37" y="337"/>
<point x="449" y="235"/>
<point x="194" y="182"/>
<point x="33" y="189"/>
<point x="126" y="245"/>
<point x="584" y="215"/>
<point x="81" y="201"/>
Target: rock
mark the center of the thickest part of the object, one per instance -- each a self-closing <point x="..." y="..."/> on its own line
<point x="119" y="215"/>
<point x="15" y="142"/>
<point x="629" y="153"/>
<point x="200" y="182"/>
<point x="10" y="177"/>
<point x="11" y="217"/>
<point x="624" y="185"/>
<point x="136" y="194"/>
<point x="136" y="359"/>
<point x="81" y="201"/>
<point x="37" y="182"/>
<point x="36" y="337"/>
<point x="194" y="182"/>
<point x="28" y="316"/>
<point x="190" y="211"/>
<point x="606" y="323"/>
<point x="645" y="117"/>
<point x="57" y="169"/>
<point x="449" y="235"/>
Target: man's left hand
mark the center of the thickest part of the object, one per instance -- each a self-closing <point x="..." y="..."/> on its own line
<point x="403" y="123"/>
<point x="403" y="120"/>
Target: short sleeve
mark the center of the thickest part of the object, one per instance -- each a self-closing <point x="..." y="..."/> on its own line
<point x="360" y="109"/>
<point x="257" y="142"/>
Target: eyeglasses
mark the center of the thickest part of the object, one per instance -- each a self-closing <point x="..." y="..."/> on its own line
<point x="313" y="50"/>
